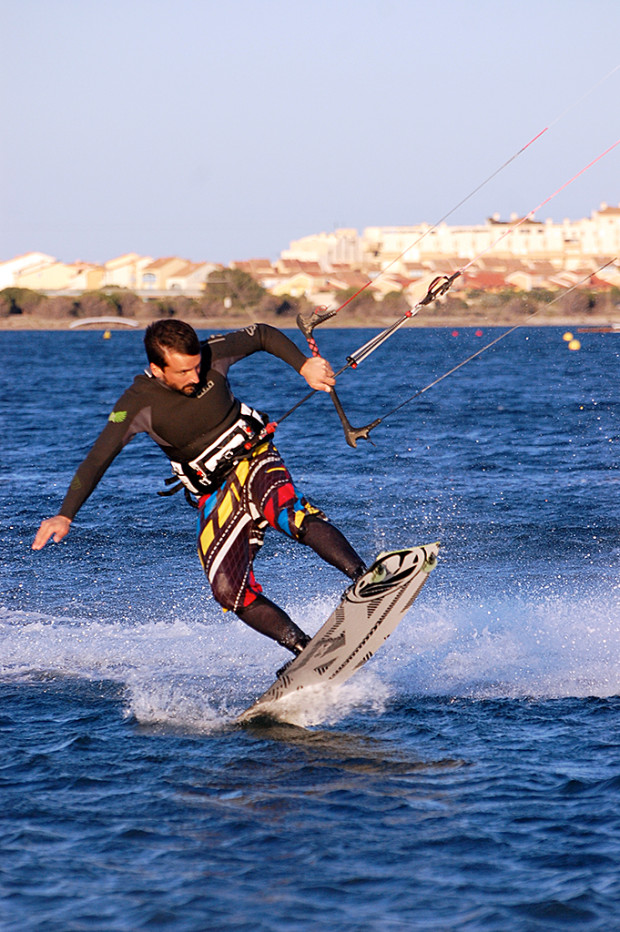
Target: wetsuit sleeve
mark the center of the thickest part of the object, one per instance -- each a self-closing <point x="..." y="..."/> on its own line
<point x="121" y="427"/>
<point x="227" y="348"/>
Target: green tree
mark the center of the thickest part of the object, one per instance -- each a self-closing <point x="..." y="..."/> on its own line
<point x="281" y="305"/>
<point x="543" y="295"/>
<point x="97" y="304"/>
<point x="395" y="303"/>
<point x="15" y="300"/>
<point x="362" y="303"/>
<point x="233" y="288"/>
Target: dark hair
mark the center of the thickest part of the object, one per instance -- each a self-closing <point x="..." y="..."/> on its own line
<point x="173" y="335"/>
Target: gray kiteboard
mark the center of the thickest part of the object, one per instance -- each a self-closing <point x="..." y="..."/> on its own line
<point x="369" y="611"/>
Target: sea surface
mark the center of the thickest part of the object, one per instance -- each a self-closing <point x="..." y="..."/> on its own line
<point x="467" y="779"/>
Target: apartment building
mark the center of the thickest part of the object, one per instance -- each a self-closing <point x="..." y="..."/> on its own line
<point x="519" y="252"/>
<point x="566" y="245"/>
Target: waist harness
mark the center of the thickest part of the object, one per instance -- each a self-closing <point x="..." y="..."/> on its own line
<point x="207" y="471"/>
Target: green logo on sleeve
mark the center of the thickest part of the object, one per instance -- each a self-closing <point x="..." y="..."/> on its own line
<point x="117" y="417"/>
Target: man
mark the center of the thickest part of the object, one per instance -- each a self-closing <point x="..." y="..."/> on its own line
<point x="220" y="452"/>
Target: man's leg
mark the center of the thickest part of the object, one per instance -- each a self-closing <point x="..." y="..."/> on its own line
<point x="229" y="536"/>
<point x="274" y="495"/>
<point x="332" y="546"/>
<point x="267" y="618"/>
<point x="228" y="540"/>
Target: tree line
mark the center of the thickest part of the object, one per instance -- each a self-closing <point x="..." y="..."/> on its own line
<point x="233" y="293"/>
<point x="231" y="290"/>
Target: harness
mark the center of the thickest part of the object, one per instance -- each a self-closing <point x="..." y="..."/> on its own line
<point x="207" y="471"/>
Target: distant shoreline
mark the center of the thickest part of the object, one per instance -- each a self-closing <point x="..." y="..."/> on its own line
<point x="25" y="322"/>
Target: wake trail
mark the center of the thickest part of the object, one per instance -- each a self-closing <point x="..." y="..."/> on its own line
<point x="200" y="674"/>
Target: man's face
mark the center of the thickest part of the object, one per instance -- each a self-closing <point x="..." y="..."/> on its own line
<point x="180" y="372"/>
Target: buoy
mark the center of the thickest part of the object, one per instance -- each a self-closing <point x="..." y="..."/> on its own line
<point x="478" y="333"/>
<point x="106" y="334"/>
<point x="455" y="333"/>
<point x="567" y="336"/>
<point x="574" y="345"/>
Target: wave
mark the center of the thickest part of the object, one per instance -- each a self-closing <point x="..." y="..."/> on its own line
<point x="544" y="646"/>
<point x="201" y="674"/>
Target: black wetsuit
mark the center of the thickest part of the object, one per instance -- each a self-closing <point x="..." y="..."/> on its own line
<point x="183" y="426"/>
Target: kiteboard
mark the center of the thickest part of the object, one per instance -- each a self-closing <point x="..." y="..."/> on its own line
<point x="368" y="612"/>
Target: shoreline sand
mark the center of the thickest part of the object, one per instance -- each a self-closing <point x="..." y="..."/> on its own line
<point x="22" y="322"/>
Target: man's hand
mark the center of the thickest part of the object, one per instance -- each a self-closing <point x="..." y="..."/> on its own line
<point x="318" y="374"/>
<point x="58" y="526"/>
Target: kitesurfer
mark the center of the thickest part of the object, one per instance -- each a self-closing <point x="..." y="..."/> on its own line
<point x="219" y="450"/>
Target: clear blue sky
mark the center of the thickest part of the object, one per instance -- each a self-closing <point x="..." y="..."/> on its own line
<point x="223" y="130"/>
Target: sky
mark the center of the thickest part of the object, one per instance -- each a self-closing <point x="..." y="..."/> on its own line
<point x="222" y="131"/>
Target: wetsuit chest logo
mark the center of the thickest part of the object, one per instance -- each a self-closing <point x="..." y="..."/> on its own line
<point x="205" y="388"/>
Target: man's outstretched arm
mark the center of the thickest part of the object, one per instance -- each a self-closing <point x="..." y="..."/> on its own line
<point x="56" y="527"/>
<point x="116" y="434"/>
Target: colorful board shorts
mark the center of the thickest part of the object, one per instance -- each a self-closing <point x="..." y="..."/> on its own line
<point x="231" y="522"/>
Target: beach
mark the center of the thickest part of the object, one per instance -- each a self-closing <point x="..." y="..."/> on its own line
<point x="475" y="316"/>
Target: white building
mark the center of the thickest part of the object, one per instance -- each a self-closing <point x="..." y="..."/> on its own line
<point x="342" y="247"/>
<point x="567" y="245"/>
<point x="13" y="268"/>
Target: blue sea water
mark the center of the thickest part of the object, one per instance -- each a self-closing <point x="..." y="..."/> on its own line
<point x="467" y="779"/>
